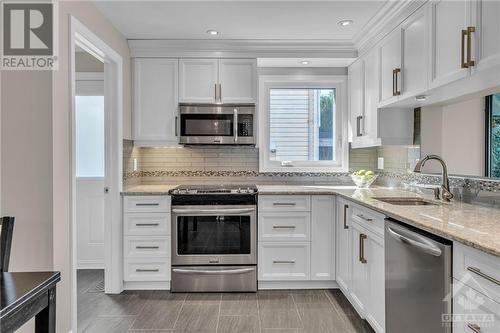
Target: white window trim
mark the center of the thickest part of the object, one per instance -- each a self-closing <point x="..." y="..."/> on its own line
<point x="339" y="82"/>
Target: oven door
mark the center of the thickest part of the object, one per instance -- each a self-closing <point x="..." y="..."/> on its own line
<point x="214" y="235"/>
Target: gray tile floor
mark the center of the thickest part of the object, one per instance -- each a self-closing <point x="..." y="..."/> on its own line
<point x="288" y="311"/>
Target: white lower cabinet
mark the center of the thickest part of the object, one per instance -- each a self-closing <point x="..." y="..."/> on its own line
<point x="360" y="269"/>
<point x="146" y="242"/>
<point x="297" y="239"/>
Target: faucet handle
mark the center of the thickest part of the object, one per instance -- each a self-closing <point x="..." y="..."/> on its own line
<point x="446" y="195"/>
<point x="437" y="192"/>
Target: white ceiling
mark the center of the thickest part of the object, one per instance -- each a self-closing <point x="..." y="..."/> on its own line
<point x="261" y="19"/>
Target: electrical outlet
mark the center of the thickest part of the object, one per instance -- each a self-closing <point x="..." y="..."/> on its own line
<point x="380" y="163"/>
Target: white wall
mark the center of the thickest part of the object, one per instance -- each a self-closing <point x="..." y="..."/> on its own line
<point x="455" y="132"/>
<point x="26" y="169"/>
<point x="85" y="12"/>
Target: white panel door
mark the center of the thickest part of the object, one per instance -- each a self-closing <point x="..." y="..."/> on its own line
<point x="237" y="79"/>
<point x="448" y="19"/>
<point x="390" y="67"/>
<point x="323" y="237"/>
<point x="198" y="79"/>
<point x="344" y="252"/>
<point x="372" y="94"/>
<point x="90" y="222"/>
<point x="415" y="41"/>
<point x="155" y="100"/>
<point x="359" y="291"/>
<point x="375" y="258"/>
<point x="356" y="98"/>
<point x="486" y="39"/>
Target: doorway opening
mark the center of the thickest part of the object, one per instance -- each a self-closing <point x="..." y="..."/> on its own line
<point x="96" y="183"/>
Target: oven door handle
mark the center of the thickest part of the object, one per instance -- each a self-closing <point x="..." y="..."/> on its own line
<point x="213" y="211"/>
<point x="209" y="272"/>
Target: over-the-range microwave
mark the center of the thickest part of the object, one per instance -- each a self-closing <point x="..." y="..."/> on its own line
<point x="216" y="124"/>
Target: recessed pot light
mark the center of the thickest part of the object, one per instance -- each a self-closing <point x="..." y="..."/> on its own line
<point x="212" y="32"/>
<point x="305" y="62"/>
<point x="345" y="23"/>
<point x="421" y="98"/>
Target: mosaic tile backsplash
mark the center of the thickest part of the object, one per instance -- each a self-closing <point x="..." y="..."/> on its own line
<point x="240" y="165"/>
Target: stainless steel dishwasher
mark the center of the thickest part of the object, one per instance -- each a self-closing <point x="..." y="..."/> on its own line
<point x="417" y="280"/>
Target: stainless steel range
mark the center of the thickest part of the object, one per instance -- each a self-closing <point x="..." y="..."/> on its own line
<point x="214" y="238"/>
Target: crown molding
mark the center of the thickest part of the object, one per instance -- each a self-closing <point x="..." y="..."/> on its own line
<point x="242" y="48"/>
<point x="390" y="15"/>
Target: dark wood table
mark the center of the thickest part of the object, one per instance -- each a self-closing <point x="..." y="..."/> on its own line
<point x="25" y="295"/>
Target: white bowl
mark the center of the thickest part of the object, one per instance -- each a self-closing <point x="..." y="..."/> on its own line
<point x="363" y="181"/>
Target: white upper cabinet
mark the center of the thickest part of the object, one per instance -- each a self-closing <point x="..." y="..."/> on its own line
<point x="390" y="67"/>
<point x="356" y="98"/>
<point x="486" y="45"/>
<point x="198" y="80"/>
<point x="322" y="237"/>
<point x="415" y="39"/>
<point x="217" y="80"/>
<point x="372" y="97"/>
<point x="237" y="82"/>
<point x="449" y="22"/>
<point x="155" y="100"/>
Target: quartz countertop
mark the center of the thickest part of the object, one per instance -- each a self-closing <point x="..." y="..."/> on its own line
<point x="472" y="225"/>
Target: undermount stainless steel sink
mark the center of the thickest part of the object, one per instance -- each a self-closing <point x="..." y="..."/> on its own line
<point x="400" y="201"/>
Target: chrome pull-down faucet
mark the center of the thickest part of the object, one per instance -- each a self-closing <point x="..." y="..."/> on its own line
<point x="446" y="195"/>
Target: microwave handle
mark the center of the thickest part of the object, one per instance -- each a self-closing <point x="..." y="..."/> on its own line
<point x="219" y="211"/>
<point x="235" y="124"/>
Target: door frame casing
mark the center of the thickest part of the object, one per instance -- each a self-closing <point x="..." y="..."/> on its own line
<point x="80" y="35"/>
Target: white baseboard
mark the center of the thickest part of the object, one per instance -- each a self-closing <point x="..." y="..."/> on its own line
<point x="90" y="264"/>
<point x="263" y="285"/>
<point x="146" y="285"/>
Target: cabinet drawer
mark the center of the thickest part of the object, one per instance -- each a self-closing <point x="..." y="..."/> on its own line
<point x="146" y="203"/>
<point x="474" y="312"/>
<point x="477" y="269"/>
<point x="367" y="218"/>
<point x="147" y="269"/>
<point x="154" y="224"/>
<point x="284" y="261"/>
<point x="146" y="247"/>
<point x="284" y="226"/>
<point x="284" y="203"/>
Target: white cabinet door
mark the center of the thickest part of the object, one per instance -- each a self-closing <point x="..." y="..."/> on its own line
<point x="390" y="67"/>
<point x="486" y="40"/>
<point x="323" y="237"/>
<point x="372" y="94"/>
<point x="359" y="279"/>
<point x="237" y="80"/>
<point x="448" y="19"/>
<point x="155" y="100"/>
<point x="344" y="252"/>
<point x="415" y="39"/>
<point x="374" y="254"/>
<point x="356" y="96"/>
<point x="198" y="79"/>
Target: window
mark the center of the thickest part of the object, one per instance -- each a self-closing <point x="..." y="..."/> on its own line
<point x="493" y="136"/>
<point x="89" y="136"/>
<point x="301" y="124"/>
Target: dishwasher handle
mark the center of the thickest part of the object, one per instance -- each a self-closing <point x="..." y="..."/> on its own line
<point x="415" y="240"/>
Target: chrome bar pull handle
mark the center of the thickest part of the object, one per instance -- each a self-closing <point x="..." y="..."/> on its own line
<point x="147" y="204"/>
<point x="358" y="126"/>
<point x="283" y="261"/>
<point x="470" y="62"/>
<point x="284" y="227"/>
<point x="463" y="61"/>
<point x="284" y="204"/>
<point x="142" y="270"/>
<point x="175" y="126"/>
<point x="367" y="219"/>
<point x="474" y="328"/>
<point x="140" y="247"/>
<point x="345" y="216"/>
<point x="477" y="271"/>
<point x="235" y="124"/>
<point x="362" y="238"/>
<point x="147" y="224"/>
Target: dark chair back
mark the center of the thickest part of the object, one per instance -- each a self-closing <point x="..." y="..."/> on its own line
<point x="6" y="229"/>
